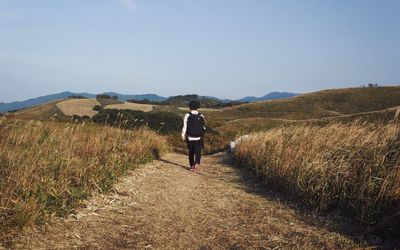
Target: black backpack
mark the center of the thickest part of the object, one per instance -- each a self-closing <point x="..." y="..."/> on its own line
<point x="195" y="125"/>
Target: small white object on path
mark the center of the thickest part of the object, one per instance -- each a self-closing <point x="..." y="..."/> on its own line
<point x="233" y="144"/>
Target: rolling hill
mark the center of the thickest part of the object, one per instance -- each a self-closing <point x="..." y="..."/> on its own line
<point x="12" y="106"/>
<point x="325" y="103"/>
<point x="175" y="100"/>
<point x="370" y="104"/>
<point x="6" y="107"/>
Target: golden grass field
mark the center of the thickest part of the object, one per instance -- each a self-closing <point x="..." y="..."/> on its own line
<point x="47" y="168"/>
<point x="79" y="107"/>
<point x="351" y="167"/>
<point x="131" y="106"/>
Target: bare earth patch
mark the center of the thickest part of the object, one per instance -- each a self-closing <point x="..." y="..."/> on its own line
<point x="79" y="107"/>
<point x="131" y="106"/>
<point x="162" y="205"/>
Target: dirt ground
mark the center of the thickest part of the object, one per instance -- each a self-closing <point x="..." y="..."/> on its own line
<point x="163" y="205"/>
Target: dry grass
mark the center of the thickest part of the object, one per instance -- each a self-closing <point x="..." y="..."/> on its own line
<point x="352" y="167"/>
<point x="79" y="107"/>
<point x="46" y="168"/>
<point x="131" y="106"/>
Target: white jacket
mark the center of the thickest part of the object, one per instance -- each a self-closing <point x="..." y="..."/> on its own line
<point x="184" y="128"/>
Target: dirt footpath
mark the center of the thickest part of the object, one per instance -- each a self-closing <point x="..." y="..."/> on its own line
<point x="162" y="205"/>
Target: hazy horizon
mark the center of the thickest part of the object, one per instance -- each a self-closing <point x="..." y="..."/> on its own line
<point x="226" y="49"/>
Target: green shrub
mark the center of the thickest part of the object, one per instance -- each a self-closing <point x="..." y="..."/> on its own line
<point x="98" y="108"/>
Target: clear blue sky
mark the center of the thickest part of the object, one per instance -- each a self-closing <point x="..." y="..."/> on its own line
<point x="224" y="48"/>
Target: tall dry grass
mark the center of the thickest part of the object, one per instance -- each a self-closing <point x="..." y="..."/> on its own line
<point x="352" y="167"/>
<point x="47" y="168"/>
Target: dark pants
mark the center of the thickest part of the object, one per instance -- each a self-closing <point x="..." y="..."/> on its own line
<point x="194" y="148"/>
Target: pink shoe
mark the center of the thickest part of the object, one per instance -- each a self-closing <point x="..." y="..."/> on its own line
<point x="197" y="168"/>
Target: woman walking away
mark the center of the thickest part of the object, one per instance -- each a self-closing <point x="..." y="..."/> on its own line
<point x="192" y="132"/>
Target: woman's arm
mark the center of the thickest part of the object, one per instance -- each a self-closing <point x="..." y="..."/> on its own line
<point x="184" y="128"/>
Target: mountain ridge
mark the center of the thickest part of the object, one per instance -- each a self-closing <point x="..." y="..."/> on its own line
<point x="269" y="96"/>
<point x="12" y="106"/>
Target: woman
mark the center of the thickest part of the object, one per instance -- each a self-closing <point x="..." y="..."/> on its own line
<point x="193" y="132"/>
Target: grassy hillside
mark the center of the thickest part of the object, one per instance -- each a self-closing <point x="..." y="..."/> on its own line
<point x="47" y="168"/>
<point x="350" y="167"/>
<point x="326" y="103"/>
<point x="44" y="112"/>
<point x="234" y="128"/>
<point x="323" y="107"/>
<point x="64" y="110"/>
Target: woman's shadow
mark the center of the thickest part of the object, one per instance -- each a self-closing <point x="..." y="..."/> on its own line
<point x="177" y="164"/>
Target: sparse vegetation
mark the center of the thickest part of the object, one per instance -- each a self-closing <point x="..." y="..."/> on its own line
<point x="351" y="167"/>
<point x="47" y="168"/>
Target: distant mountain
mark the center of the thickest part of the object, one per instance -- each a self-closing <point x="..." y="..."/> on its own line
<point x="215" y="98"/>
<point x="270" y="96"/>
<point x="150" y="97"/>
<point x="5" y="107"/>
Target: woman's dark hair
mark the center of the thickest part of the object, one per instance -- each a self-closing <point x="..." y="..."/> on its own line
<point x="194" y="105"/>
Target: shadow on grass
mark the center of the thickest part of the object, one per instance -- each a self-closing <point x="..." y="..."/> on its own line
<point x="333" y="221"/>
